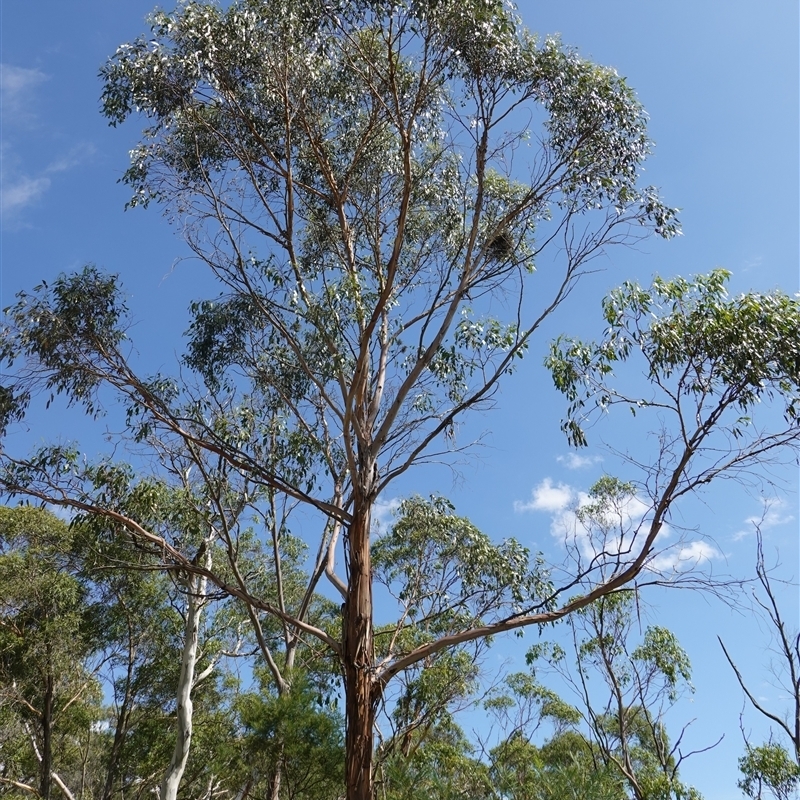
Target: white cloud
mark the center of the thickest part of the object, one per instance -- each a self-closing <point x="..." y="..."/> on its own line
<point x="16" y="84"/>
<point x="75" y="157"/>
<point x="613" y="532"/>
<point x="546" y="497"/>
<point x="755" y="262"/>
<point x="21" y="193"/>
<point x="574" y="461"/>
<point x="21" y="187"/>
<point x="383" y="512"/>
<point x="15" y="80"/>
<point x="772" y="515"/>
<point x="615" y="528"/>
<point x="688" y="556"/>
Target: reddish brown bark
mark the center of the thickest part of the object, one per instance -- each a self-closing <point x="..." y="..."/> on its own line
<point x="358" y="659"/>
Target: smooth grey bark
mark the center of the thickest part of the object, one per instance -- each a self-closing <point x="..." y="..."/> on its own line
<point x="196" y="598"/>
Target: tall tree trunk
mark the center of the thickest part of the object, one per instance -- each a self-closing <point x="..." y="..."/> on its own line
<point x="121" y="729"/>
<point x="195" y="600"/>
<point x="275" y="778"/>
<point x="46" y="765"/>
<point x="358" y="657"/>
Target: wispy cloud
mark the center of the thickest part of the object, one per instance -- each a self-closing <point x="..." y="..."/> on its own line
<point x="74" y="158"/>
<point x="21" y="186"/>
<point x="383" y="512"/>
<point x="21" y="192"/>
<point x="755" y="262"/>
<point x="18" y="191"/>
<point x="685" y="557"/>
<point x="574" y="461"/>
<point x="16" y="84"/>
<point x="610" y="530"/>
<point x="772" y="515"/>
<point x="590" y="528"/>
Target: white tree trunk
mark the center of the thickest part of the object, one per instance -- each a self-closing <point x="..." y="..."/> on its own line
<point x="196" y="587"/>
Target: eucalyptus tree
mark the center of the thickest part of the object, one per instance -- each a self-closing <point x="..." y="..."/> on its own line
<point x="163" y="640"/>
<point x="162" y="677"/>
<point x="444" y="764"/>
<point x="540" y="751"/>
<point x="701" y="363"/>
<point x="141" y="632"/>
<point x="352" y="174"/>
<point x="768" y="768"/>
<point x="348" y="173"/>
<point x="622" y="689"/>
<point x="440" y="575"/>
<point x="772" y="765"/>
<point x="566" y="767"/>
<point x="186" y="641"/>
<point x="49" y="685"/>
<point x="293" y="740"/>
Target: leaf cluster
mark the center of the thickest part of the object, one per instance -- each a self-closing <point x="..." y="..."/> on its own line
<point x="698" y="347"/>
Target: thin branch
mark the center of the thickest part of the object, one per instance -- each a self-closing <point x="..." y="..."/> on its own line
<point x="768" y="714"/>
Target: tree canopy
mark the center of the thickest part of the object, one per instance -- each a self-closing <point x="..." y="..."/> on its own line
<point x="352" y="175"/>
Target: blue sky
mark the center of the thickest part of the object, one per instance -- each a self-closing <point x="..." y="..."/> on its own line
<point x="719" y="79"/>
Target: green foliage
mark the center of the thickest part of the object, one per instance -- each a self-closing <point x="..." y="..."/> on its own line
<point x="700" y="348"/>
<point x="447" y="574"/>
<point x="563" y="767"/>
<point x="661" y="653"/>
<point x="425" y="694"/>
<point x="63" y="327"/>
<point x="200" y="60"/>
<point x="443" y="765"/>
<point x="295" y="732"/>
<point x="522" y="703"/>
<point x="623" y="692"/>
<point x="49" y="689"/>
<point x="768" y="768"/>
<point x="84" y="618"/>
<point x="608" y="496"/>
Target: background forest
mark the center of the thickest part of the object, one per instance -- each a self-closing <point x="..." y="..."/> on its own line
<point x="257" y="579"/>
<point x="111" y="669"/>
